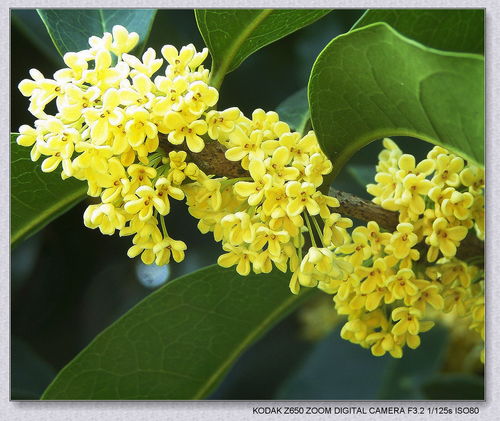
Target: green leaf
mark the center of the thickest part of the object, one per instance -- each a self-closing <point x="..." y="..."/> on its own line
<point x="454" y="386"/>
<point x="37" y="197"/>
<point x="29" y="23"/>
<point x="179" y="341"/>
<point x="295" y="111"/>
<point x="70" y="29"/>
<point x="232" y="35"/>
<point x="459" y="30"/>
<point x="373" y="82"/>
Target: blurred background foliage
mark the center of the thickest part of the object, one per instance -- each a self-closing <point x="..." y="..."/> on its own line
<point x="69" y="282"/>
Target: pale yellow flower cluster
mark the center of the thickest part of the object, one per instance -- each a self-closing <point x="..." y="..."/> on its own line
<point x="265" y="219"/>
<point x="390" y="293"/>
<point x="110" y="114"/>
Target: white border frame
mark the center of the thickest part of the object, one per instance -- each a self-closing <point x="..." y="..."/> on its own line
<point x="231" y="410"/>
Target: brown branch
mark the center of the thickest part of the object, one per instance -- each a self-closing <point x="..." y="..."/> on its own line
<point x="356" y="207"/>
<point x="212" y="161"/>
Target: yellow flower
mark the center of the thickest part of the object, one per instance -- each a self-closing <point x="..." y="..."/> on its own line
<point x="221" y="123"/>
<point x="303" y="197"/>
<point x="290" y="224"/>
<point x="182" y="130"/>
<point x="473" y="177"/>
<point x="254" y="190"/>
<point x="319" y="165"/>
<point x="140" y="175"/>
<point x="117" y="180"/>
<point x="240" y="256"/>
<point x="263" y="263"/>
<point x="386" y="190"/>
<point x="200" y="96"/>
<point x="359" y="249"/>
<point x="448" y="168"/>
<point x="458" y="205"/>
<point x="40" y="90"/>
<point x="444" y="237"/>
<point x="273" y="239"/>
<point x="139" y="93"/>
<point x="173" y="89"/>
<point x="139" y="127"/>
<point x="101" y="119"/>
<point x="75" y="72"/>
<point x="169" y="247"/>
<point x="402" y="285"/>
<point x="376" y="238"/>
<point x="455" y="299"/>
<point x="383" y="342"/>
<point x="334" y="229"/>
<point x="178" y="60"/>
<point x="177" y="163"/>
<point x="275" y="202"/>
<point x="94" y="158"/>
<point x="74" y="101"/>
<point x="103" y="75"/>
<point x="375" y="275"/>
<point x="164" y="188"/>
<point x="414" y="187"/>
<point x="264" y="122"/>
<point x="402" y="240"/>
<point x="210" y="194"/>
<point x="243" y="145"/>
<point x="305" y="146"/>
<point x="408" y="321"/>
<point x="456" y="270"/>
<point x="407" y="166"/>
<point x="355" y="330"/>
<point x="325" y="203"/>
<point x="148" y="66"/>
<point x="123" y="41"/>
<point x="429" y="293"/>
<point x="277" y="166"/>
<point x="143" y="202"/>
<point x="238" y="228"/>
<point x="105" y="217"/>
<point x="438" y="195"/>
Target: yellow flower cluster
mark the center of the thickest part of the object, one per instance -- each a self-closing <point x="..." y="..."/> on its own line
<point x="390" y="292"/>
<point x="107" y="130"/>
<point x="265" y="219"/>
<point x="131" y="136"/>
<point x="114" y="125"/>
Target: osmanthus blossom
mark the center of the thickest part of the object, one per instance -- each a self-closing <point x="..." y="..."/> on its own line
<point x="133" y="131"/>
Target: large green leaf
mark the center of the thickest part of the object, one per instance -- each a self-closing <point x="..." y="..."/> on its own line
<point x="29" y="23"/>
<point x="459" y="30"/>
<point x="232" y="35"/>
<point x="70" y="29"/>
<point x="179" y="341"/>
<point x="373" y="82"/>
<point x="36" y="198"/>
